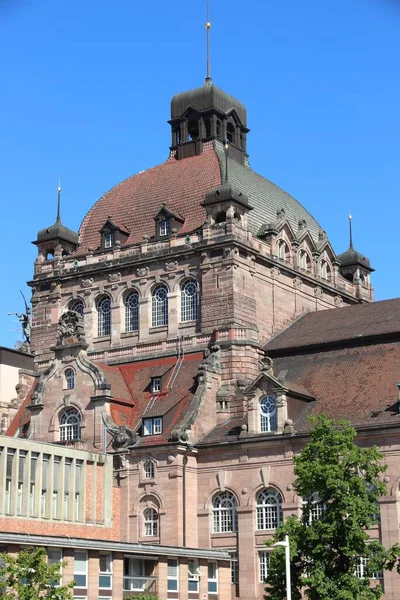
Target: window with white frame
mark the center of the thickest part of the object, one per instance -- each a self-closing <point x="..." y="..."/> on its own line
<point x="234" y="566"/>
<point x="78" y="486"/>
<point x="173" y="575"/>
<point x="283" y="250"/>
<point x="9" y="469"/>
<point x="263" y="558"/>
<point x="134" y="574"/>
<point x="69" y="375"/>
<point x="189" y="301"/>
<point x="150" y="522"/>
<point x="55" y="556"/>
<point x="44" y="503"/>
<point x="159" y="306"/>
<point x="268" y="414"/>
<point x="67" y="479"/>
<point x="152" y="426"/>
<point x="304" y="261"/>
<point x="156" y="385"/>
<point x="70" y="425"/>
<point x="108" y="240"/>
<point x="32" y="512"/>
<point x="193" y="575"/>
<point x="315" y="507"/>
<point x="212" y="578"/>
<point x="22" y="455"/>
<point x="76" y="306"/>
<point x="224" y="513"/>
<point x="80" y="568"/>
<point x="363" y="572"/>
<point x="269" y="509"/>
<point x="104" y="316"/>
<point x="148" y="469"/>
<point x="164" y="227"/>
<point x="132" y="312"/>
<point x="325" y="270"/>
<point x="105" y="571"/>
<point x="55" y="513"/>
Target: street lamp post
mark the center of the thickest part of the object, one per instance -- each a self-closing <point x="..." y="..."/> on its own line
<point x="286" y="545"/>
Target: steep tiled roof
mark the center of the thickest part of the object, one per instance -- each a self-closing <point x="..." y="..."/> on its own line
<point x="182" y="184"/>
<point x="339" y="324"/>
<point x="23" y="415"/>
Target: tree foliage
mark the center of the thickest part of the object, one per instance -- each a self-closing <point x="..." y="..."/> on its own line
<point x="326" y="551"/>
<point x="28" y="576"/>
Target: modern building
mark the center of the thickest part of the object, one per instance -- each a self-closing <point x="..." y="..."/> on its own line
<point x="189" y="328"/>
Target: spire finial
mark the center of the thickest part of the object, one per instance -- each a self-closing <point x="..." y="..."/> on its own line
<point x="59" y="201"/>
<point x="351" y="231"/>
<point x="208" y="27"/>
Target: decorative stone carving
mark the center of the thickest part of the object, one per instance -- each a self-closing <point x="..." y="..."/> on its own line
<point x="338" y="301"/>
<point x="275" y="273"/>
<point x="297" y="282"/>
<point x="86" y="283"/>
<point x="266" y="364"/>
<point x="70" y="325"/>
<point x="142" y="272"/>
<point x="318" y="292"/>
<point x="124" y="438"/>
<point x="288" y="427"/>
<point x="114" y="277"/>
<point x="212" y="359"/>
<point x="171" y="266"/>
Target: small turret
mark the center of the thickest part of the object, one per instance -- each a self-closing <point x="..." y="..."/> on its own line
<point x="354" y="266"/>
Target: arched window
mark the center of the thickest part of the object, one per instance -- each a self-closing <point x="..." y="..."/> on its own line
<point x="193" y="130"/>
<point x="268" y="420"/>
<point x="104" y="316"/>
<point x="150" y="521"/>
<point x="230" y="133"/>
<point x="269" y="509"/>
<point x="70" y="425"/>
<point x="283" y="250"/>
<point x="189" y="301"/>
<point x="132" y="312"/>
<point x="325" y="270"/>
<point x="224" y="513"/>
<point x="159" y="305"/>
<point x="148" y="469"/>
<point x="304" y="261"/>
<point x="69" y="375"/>
<point x="76" y="306"/>
<point x="221" y="217"/>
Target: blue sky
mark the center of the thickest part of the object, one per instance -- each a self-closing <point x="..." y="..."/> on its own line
<point x="85" y="96"/>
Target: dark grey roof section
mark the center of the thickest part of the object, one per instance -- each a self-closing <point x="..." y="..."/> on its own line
<point x="206" y="97"/>
<point x="146" y="551"/>
<point x="266" y="197"/>
<point x="58" y="231"/>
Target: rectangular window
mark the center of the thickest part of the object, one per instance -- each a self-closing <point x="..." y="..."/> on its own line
<point x="108" y="240"/>
<point x="10" y="459"/>
<point x="105" y="571"/>
<point x="164" y="228"/>
<point x="264" y="558"/>
<point x="56" y="478"/>
<point x="193" y="576"/>
<point x="32" y="487"/>
<point x="45" y="476"/>
<point x="152" y="426"/>
<point x="212" y="578"/>
<point x="54" y="555"/>
<point x="157" y="429"/>
<point x="80" y="569"/>
<point x="234" y="566"/>
<point x="156" y="385"/>
<point x="78" y="479"/>
<point x="172" y="575"/>
<point x="134" y="579"/>
<point x="361" y="570"/>
<point x="67" y="478"/>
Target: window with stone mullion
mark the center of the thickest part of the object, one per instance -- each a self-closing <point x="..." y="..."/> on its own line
<point x="132" y="312"/>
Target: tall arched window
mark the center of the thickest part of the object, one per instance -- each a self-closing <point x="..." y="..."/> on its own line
<point x="283" y="250"/>
<point x="159" y="306"/>
<point x="150" y="521"/>
<point x="69" y="375"/>
<point x="314" y="507"/>
<point x="304" y="261"/>
<point x="132" y="312"/>
<point x="149" y="469"/>
<point x="224" y="513"/>
<point x="268" y="420"/>
<point x="70" y="425"/>
<point x="104" y="316"/>
<point x="230" y="133"/>
<point x="325" y="270"/>
<point x="76" y="306"/>
<point x="189" y="301"/>
<point x="269" y="509"/>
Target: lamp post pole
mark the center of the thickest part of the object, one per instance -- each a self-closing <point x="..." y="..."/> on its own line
<point x="286" y="545"/>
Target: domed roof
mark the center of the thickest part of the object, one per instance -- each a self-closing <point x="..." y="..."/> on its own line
<point x="352" y="257"/>
<point x="58" y="231"/>
<point x="182" y="185"/>
<point x="206" y="97"/>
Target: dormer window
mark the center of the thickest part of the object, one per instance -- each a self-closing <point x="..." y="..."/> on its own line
<point x="164" y="228"/>
<point x="152" y="426"/>
<point x="156" y="385"/>
<point x="108" y="240"/>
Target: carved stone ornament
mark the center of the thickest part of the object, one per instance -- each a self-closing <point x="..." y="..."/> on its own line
<point x="171" y="266"/>
<point x="297" y="282"/>
<point x="114" y="277"/>
<point x="142" y="272"/>
<point x="86" y="283"/>
<point x="70" y="325"/>
<point x="266" y="364"/>
<point x="318" y="292"/>
<point x="212" y="359"/>
<point x="275" y="273"/>
<point x="338" y="301"/>
<point x="124" y="438"/>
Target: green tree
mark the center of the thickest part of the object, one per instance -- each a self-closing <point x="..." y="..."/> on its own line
<point x="340" y="483"/>
<point x="29" y="577"/>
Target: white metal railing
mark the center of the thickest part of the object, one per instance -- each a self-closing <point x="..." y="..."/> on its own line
<point x="139" y="584"/>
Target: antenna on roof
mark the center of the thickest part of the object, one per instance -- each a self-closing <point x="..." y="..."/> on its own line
<point x="208" y="27"/>
<point x="58" y="201"/>
<point x="350" y="230"/>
